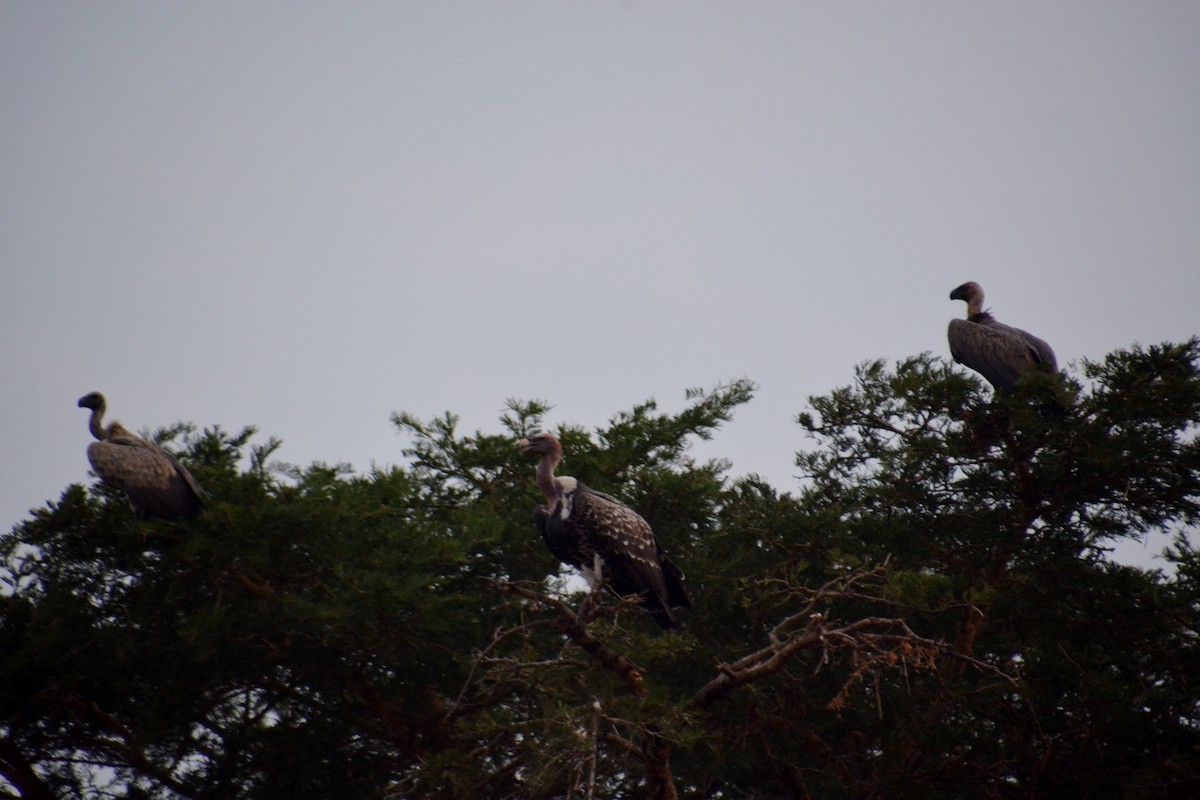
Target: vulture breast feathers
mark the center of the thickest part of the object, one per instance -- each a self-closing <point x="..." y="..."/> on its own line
<point x="591" y="531"/>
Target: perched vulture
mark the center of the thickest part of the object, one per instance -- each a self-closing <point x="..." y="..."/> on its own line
<point x="996" y="351"/>
<point x="603" y="538"/>
<point x="156" y="484"/>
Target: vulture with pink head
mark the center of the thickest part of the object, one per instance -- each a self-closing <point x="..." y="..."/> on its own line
<point x="609" y="542"/>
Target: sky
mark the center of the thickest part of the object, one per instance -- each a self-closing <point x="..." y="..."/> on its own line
<point x="307" y="216"/>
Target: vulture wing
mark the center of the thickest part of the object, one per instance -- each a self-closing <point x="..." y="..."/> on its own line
<point x="1042" y="351"/>
<point x="995" y="353"/>
<point x="154" y="480"/>
<point x="632" y="559"/>
<point x="561" y="542"/>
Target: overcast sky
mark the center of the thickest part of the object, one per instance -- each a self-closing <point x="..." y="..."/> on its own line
<point x="306" y="216"/>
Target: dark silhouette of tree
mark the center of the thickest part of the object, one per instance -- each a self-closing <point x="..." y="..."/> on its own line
<point x="930" y="613"/>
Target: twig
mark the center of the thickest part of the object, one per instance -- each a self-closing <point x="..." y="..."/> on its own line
<point x="497" y="637"/>
<point x="569" y="623"/>
<point x="591" y="784"/>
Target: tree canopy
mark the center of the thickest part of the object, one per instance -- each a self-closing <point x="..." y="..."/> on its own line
<point x="929" y="612"/>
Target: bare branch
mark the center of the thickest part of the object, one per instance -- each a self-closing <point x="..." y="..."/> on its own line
<point x="576" y="631"/>
<point x="873" y="641"/>
<point x="595" y="733"/>
<point x="19" y="771"/>
<point x="498" y="637"/>
<point x="122" y="744"/>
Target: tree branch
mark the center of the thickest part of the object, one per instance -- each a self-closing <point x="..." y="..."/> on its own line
<point x="132" y="755"/>
<point x="873" y="640"/>
<point x="18" y="771"/>
<point x="576" y="631"/>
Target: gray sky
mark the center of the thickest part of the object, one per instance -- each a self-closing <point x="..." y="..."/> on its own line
<point x="305" y="216"/>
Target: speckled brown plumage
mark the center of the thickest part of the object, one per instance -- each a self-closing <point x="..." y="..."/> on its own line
<point x="579" y="523"/>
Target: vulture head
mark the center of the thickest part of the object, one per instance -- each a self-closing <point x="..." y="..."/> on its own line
<point x="92" y="400"/>
<point x="544" y="444"/>
<point x="95" y="402"/>
<point x="972" y="293"/>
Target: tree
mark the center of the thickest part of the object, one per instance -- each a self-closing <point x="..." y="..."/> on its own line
<point x="931" y="613"/>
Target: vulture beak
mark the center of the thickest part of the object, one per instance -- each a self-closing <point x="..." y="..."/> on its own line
<point x="525" y="444"/>
<point x="958" y="294"/>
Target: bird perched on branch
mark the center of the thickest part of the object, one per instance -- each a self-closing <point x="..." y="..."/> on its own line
<point x="998" y="352"/>
<point x="602" y="537"/>
<point x="156" y="484"/>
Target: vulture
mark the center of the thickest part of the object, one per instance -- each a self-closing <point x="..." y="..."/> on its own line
<point x="996" y="351"/>
<point x="156" y="484"/>
<point x="602" y="537"/>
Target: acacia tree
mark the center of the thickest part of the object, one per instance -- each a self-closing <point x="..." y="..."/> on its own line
<point x="930" y="614"/>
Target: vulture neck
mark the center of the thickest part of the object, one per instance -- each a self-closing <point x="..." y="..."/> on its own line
<point x="974" y="305"/>
<point x="94" y="425"/>
<point x="545" y="478"/>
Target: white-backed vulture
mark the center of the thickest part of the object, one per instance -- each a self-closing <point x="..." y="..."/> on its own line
<point x="156" y="484"/>
<point x="998" y="352"/>
<point x="605" y="539"/>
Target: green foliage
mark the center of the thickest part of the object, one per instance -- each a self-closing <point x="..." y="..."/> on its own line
<point x="930" y="614"/>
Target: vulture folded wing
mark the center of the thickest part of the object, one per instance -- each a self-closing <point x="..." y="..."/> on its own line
<point x="993" y="352"/>
<point x="561" y="543"/>
<point x="626" y="543"/>
<point x="1042" y="352"/>
<point x="154" y="480"/>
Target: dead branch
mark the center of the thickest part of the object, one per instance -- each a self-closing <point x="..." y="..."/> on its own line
<point x="592" y="758"/>
<point x="498" y="637"/>
<point x="656" y="756"/>
<point x="654" y="753"/>
<point x="121" y="743"/>
<point x="842" y="587"/>
<point x="569" y="623"/>
<point x="19" y="771"/>
<point x="873" y="641"/>
<point x="783" y="643"/>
